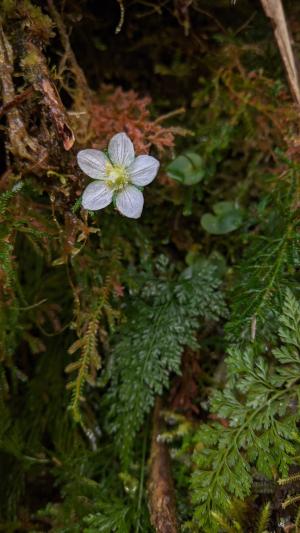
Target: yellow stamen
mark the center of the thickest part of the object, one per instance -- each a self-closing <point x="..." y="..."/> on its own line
<point x="117" y="177"/>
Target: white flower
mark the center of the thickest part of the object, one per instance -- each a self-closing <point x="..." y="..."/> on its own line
<point x="118" y="176"/>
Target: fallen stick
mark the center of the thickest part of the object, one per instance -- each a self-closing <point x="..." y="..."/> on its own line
<point x="274" y="10"/>
<point x="80" y="93"/>
<point x="160" y="483"/>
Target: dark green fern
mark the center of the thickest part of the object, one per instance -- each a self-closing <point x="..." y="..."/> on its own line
<point x="259" y="406"/>
<point x="162" y="320"/>
<point x="270" y="263"/>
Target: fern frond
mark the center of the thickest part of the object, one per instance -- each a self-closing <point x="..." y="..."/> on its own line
<point x="7" y="270"/>
<point x="6" y="196"/>
<point x="93" y="313"/>
<point x="297" y="521"/>
<point x="89" y="362"/>
<point x="289" y="330"/>
<point x="162" y="320"/>
<point x="264" y="518"/>
<point x="223" y="522"/>
<point x="290" y="501"/>
<point x="236" y="518"/>
<point x="289" y="479"/>
<point x="262" y="427"/>
<point x="112" y="517"/>
<point x="267" y="269"/>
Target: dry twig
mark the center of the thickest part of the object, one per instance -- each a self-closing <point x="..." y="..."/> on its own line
<point x="18" y="99"/>
<point x="160" y="485"/>
<point x="81" y="93"/>
<point x="274" y="10"/>
<point x="81" y="82"/>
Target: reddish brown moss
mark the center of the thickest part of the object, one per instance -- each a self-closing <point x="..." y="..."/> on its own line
<point x="125" y="111"/>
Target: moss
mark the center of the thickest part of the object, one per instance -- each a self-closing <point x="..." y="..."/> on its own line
<point x="37" y="23"/>
<point x="8" y="6"/>
<point x="31" y="60"/>
<point x="75" y="285"/>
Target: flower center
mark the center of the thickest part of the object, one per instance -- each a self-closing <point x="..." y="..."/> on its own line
<point x="117" y="177"/>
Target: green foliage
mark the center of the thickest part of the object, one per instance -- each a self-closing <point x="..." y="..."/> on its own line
<point x="188" y="169"/>
<point x="162" y="320"/>
<point x="93" y="499"/>
<point x="227" y="217"/>
<point x="264" y="519"/>
<point x="91" y="328"/>
<point x="270" y="263"/>
<point x="5" y="197"/>
<point x="113" y="517"/>
<point x="239" y="516"/>
<point x="261" y="422"/>
<point x="8" y="309"/>
<point x="89" y="361"/>
<point x="6" y="246"/>
<point x="97" y="309"/>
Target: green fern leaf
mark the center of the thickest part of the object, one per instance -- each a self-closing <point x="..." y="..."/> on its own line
<point x="261" y="422"/>
<point x="162" y="320"/>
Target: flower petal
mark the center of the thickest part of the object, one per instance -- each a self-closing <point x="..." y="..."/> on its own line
<point x="143" y="170"/>
<point x="121" y="150"/>
<point x="130" y="202"/>
<point x="96" y="196"/>
<point x="93" y="163"/>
